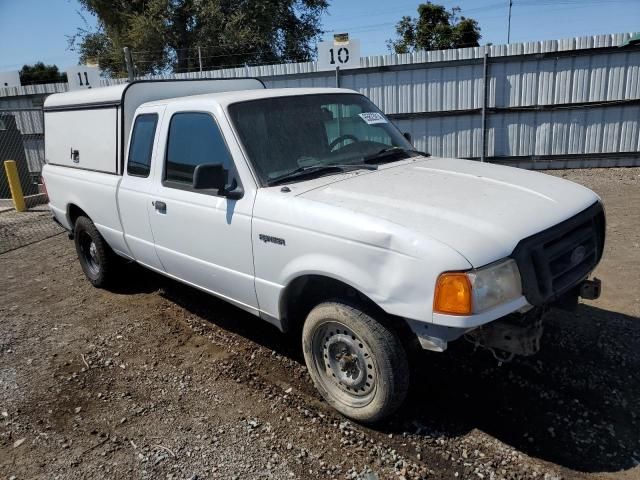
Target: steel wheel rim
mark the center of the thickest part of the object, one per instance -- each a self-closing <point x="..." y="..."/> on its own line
<point x="346" y="368"/>
<point x="89" y="253"/>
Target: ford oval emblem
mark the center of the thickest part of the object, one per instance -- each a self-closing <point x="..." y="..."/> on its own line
<point x="578" y="254"/>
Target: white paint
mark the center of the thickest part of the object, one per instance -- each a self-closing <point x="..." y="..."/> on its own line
<point x="93" y="192"/>
<point x="90" y="133"/>
<point x="333" y="54"/>
<point x="473" y="208"/>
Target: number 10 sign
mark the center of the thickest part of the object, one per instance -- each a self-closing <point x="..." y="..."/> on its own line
<point x="338" y="54"/>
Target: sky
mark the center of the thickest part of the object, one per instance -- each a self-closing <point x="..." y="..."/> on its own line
<point x="37" y="30"/>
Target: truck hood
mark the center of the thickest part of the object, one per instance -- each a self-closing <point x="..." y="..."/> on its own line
<point x="480" y="210"/>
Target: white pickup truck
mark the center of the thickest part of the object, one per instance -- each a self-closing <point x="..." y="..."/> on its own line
<point x="311" y="210"/>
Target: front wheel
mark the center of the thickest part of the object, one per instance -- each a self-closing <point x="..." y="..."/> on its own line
<point x="357" y="364"/>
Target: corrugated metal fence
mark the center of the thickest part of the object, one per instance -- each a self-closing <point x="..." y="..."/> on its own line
<point x="560" y="103"/>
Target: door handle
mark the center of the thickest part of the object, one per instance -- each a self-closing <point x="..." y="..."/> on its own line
<point x="160" y="206"/>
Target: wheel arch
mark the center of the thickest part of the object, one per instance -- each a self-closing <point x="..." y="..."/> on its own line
<point x="308" y="290"/>
<point x="73" y="212"/>
<point x="305" y="291"/>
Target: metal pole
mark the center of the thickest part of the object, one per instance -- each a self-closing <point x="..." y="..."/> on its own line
<point x="485" y="94"/>
<point x="337" y="77"/>
<point x="509" y="23"/>
<point x="200" y="60"/>
<point x="129" y="62"/>
<point x="14" y="185"/>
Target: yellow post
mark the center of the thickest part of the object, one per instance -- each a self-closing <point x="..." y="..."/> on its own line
<point x="14" y="184"/>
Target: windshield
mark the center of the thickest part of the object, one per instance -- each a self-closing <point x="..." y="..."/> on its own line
<point x="282" y="135"/>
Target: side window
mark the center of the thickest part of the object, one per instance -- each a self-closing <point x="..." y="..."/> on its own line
<point x="144" y="131"/>
<point x="194" y="139"/>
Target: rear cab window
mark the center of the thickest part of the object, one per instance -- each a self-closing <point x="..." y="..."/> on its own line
<point x="141" y="148"/>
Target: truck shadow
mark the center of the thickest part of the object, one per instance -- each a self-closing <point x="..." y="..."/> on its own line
<point x="576" y="403"/>
<point x="137" y="280"/>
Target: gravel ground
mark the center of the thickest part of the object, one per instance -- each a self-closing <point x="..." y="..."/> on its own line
<point x="18" y="229"/>
<point x="157" y="380"/>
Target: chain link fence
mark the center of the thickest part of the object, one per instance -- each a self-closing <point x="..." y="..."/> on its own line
<point x="22" y="140"/>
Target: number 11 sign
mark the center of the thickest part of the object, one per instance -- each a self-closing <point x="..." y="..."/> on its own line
<point x="343" y="54"/>
<point x="81" y="76"/>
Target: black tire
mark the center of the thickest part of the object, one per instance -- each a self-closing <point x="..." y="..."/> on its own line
<point x="358" y="364"/>
<point x="97" y="260"/>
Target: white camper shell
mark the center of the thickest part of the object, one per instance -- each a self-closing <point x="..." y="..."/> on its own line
<point x="106" y="113"/>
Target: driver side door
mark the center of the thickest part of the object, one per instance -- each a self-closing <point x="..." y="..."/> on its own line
<point x="202" y="238"/>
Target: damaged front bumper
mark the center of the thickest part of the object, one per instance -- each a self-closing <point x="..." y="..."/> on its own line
<point x="516" y="333"/>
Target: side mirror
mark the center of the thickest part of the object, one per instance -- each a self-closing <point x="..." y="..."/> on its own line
<point x="210" y="176"/>
<point x="213" y="176"/>
<point x="407" y="135"/>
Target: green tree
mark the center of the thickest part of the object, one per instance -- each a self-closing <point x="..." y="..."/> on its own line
<point x="436" y="28"/>
<point x="165" y="34"/>
<point x="41" y="73"/>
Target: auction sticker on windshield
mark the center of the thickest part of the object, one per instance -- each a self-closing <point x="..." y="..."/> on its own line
<point x="372" y="118"/>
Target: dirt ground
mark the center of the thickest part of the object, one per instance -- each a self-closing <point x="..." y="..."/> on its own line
<point x="157" y="380"/>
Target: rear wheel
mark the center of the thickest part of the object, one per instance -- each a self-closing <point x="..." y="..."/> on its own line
<point x="96" y="257"/>
<point x="357" y="364"/>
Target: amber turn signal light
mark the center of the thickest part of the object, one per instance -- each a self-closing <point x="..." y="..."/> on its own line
<point x="453" y="294"/>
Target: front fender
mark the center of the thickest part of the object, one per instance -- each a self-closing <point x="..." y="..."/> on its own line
<point x="399" y="284"/>
<point x="393" y="266"/>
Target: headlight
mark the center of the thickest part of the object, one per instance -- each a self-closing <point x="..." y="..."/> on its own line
<point x="495" y="284"/>
<point x="464" y="293"/>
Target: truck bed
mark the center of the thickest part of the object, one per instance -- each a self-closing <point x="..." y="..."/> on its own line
<point x="95" y="191"/>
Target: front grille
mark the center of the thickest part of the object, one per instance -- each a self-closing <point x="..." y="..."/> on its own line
<point x="555" y="260"/>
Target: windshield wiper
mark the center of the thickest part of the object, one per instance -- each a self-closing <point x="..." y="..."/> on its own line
<point x="388" y="154"/>
<point x="319" y="170"/>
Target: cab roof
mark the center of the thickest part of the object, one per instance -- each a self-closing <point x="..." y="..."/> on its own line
<point x="229" y="97"/>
